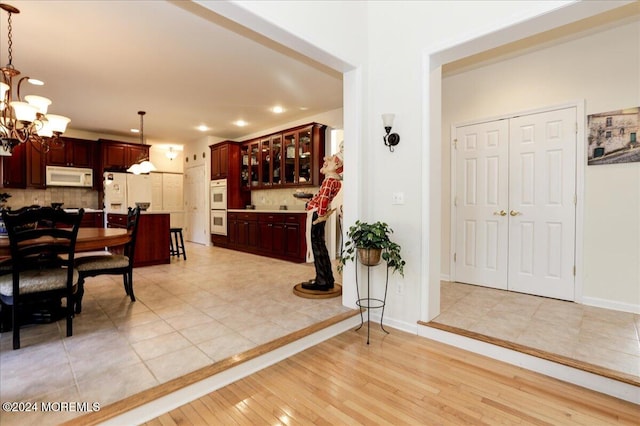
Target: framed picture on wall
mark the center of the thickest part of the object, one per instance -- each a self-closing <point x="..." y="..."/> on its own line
<point x="613" y="137"/>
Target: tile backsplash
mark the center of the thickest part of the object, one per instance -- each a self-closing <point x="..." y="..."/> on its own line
<point x="71" y="197"/>
<point x="88" y="198"/>
<point x="274" y="198"/>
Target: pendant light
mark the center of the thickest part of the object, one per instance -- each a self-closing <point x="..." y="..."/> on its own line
<point x="142" y="166"/>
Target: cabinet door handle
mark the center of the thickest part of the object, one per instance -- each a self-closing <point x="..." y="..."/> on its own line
<point x="514" y="213"/>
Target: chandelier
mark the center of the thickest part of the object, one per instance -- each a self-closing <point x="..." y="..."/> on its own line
<point x="142" y="165"/>
<point x="25" y="119"/>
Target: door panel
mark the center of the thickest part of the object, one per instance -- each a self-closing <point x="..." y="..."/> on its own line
<point x="481" y="176"/>
<point x="541" y="204"/>
<point x="197" y="217"/>
<point x="524" y="167"/>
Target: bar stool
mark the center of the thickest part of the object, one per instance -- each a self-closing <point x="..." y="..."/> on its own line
<point x="177" y="245"/>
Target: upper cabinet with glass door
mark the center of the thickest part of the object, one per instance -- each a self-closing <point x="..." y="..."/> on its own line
<point x="291" y="158"/>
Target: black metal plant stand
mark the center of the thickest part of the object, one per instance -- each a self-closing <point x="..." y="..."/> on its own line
<point x="369" y="302"/>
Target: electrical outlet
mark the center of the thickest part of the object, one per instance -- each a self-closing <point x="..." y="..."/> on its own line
<point x="397" y="198"/>
<point x="400" y="288"/>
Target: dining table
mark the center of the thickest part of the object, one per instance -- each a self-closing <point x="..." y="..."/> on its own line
<point x="89" y="239"/>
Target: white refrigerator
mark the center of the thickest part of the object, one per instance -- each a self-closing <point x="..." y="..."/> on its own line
<point x="123" y="190"/>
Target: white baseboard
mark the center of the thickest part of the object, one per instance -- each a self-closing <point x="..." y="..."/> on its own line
<point x="611" y="304"/>
<point x="582" y="378"/>
<point x="411" y="328"/>
<point x="445" y="277"/>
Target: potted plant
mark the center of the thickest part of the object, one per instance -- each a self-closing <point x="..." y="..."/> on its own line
<point x="365" y="240"/>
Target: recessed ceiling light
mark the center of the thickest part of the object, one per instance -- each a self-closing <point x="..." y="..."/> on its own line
<point x="203" y="128"/>
<point x="135" y="130"/>
<point x="277" y="109"/>
<point x="240" y="123"/>
<point x="304" y="108"/>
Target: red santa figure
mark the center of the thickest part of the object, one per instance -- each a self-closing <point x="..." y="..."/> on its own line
<point x="319" y="205"/>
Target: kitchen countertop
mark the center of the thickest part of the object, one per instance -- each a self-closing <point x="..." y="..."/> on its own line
<point x="86" y="210"/>
<point x="142" y="212"/>
<point x="259" y="210"/>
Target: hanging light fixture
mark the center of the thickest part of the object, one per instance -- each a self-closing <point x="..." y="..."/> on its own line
<point x="25" y="120"/>
<point x="171" y="153"/>
<point x="143" y="165"/>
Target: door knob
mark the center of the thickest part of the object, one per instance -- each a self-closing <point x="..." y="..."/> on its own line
<point x="500" y="213"/>
<point x="514" y="213"/>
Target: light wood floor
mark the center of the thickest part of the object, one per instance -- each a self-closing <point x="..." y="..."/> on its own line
<point x="398" y="379"/>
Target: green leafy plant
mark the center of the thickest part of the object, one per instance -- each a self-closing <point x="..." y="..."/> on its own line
<point x="372" y="236"/>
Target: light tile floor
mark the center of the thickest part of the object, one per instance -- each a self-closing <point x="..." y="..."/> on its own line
<point x="188" y="314"/>
<point x="602" y="337"/>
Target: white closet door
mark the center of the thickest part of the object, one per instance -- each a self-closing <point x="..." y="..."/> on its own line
<point x="196" y="215"/>
<point x="172" y="190"/>
<point x="156" y="192"/>
<point x="481" y="203"/>
<point x="542" y="203"/>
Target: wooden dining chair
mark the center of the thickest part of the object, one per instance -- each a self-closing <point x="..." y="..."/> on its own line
<point x="42" y="262"/>
<point x="111" y="264"/>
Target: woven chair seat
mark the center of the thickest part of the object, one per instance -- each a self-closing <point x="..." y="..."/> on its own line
<point x="35" y="281"/>
<point x="43" y="270"/>
<point x="111" y="264"/>
<point x="93" y="263"/>
<point x="5" y="266"/>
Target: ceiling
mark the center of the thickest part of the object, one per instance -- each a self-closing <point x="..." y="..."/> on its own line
<point x="103" y="61"/>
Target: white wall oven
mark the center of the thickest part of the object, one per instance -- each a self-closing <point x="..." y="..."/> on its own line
<point x="219" y="222"/>
<point x="219" y="194"/>
<point x="218" y="201"/>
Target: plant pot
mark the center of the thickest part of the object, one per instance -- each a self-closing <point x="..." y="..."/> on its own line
<point x="369" y="256"/>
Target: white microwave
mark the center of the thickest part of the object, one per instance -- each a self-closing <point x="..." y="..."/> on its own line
<point x="69" y="176"/>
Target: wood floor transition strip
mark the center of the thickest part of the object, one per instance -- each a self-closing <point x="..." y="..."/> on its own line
<point x="112" y="410"/>
<point x="560" y="359"/>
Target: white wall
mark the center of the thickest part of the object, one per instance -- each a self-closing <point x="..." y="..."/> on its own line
<point x="158" y="156"/>
<point x="604" y="70"/>
<point x="332" y="119"/>
<point x="380" y="46"/>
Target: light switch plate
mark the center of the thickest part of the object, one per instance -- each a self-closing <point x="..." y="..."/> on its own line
<point x="398" y="198"/>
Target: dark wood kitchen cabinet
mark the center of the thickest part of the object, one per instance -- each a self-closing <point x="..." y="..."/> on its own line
<point x="271" y="233"/>
<point x="219" y="160"/>
<point x="295" y="237"/>
<point x="35" y="167"/>
<point x="291" y="158"/>
<point x="282" y="235"/>
<point x="278" y="235"/>
<point x="25" y="168"/>
<point x="92" y="220"/>
<point x="225" y="164"/>
<point x="118" y="156"/>
<point x="242" y="229"/>
<point x="14" y="172"/>
<point x="152" y="245"/>
<point x="74" y="153"/>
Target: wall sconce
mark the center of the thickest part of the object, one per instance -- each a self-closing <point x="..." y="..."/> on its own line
<point x="171" y="154"/>
<point x="390" y="139"/>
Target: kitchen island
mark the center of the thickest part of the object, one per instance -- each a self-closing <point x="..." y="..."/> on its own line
<point x="152" y="244"/>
